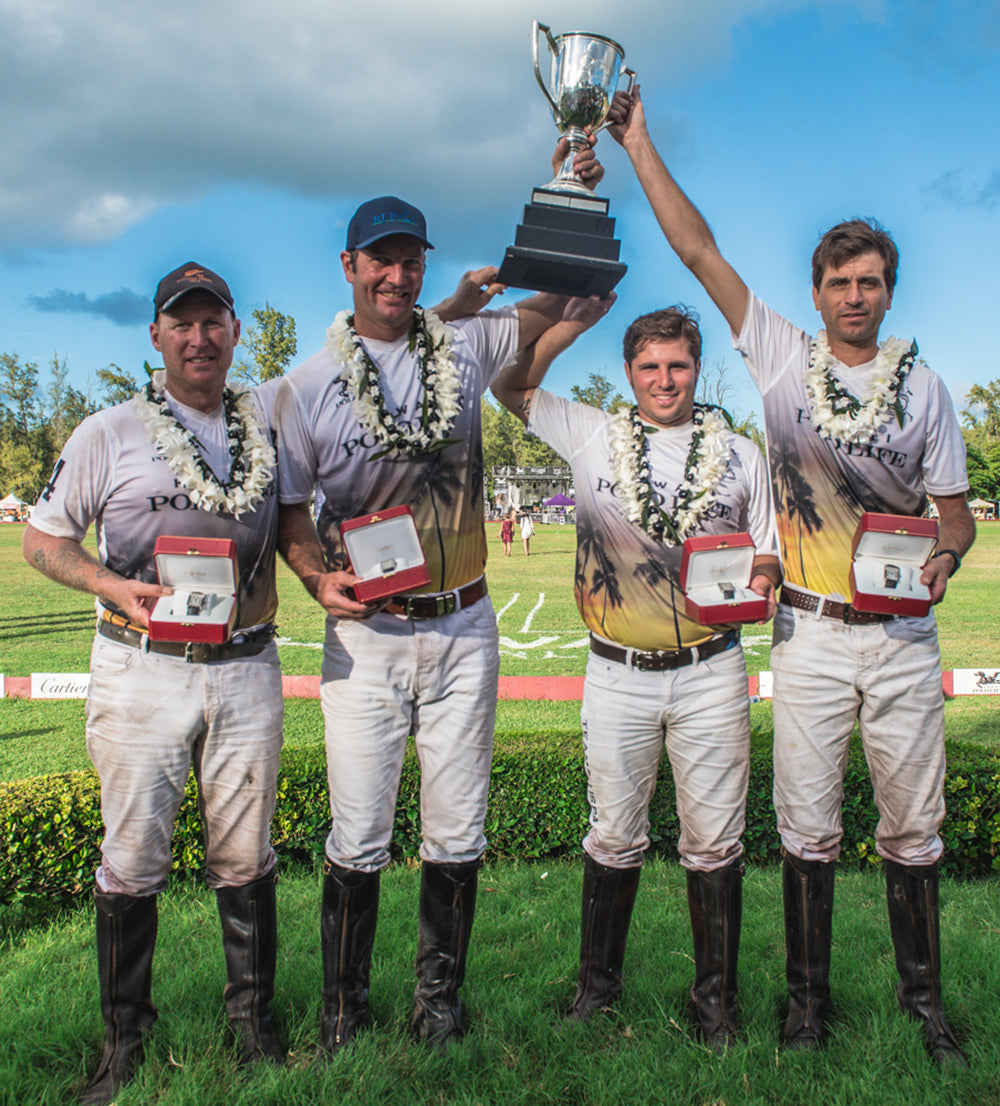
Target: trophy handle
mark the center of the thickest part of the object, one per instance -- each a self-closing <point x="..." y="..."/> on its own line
<point x="624" y="71"/>
<point x="554" y="47"/>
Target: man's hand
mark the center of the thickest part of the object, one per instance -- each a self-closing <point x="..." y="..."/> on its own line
<point x="134" y="599"/>
<point x="935" y="576"/>
<point x="585" y="163"/>
<point x="583" y="313"/>
<point x="764" y="587"/>
<point x="474" y="292"/>
<point x="627" y="117"/>
<point x="331" y="594"/>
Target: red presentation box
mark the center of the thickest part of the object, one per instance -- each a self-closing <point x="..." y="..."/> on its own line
<point x="203" y="574"/>
<point x="385" y="551"/>
<point x="715" y="574"/>
<point x="889" y="551"/>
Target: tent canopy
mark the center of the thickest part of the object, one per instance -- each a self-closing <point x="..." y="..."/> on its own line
<point x="10" y="501"/>
<point x="559" y="501"/>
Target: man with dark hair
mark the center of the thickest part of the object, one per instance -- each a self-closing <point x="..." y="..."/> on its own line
<point x="165" y="464"/>
<point x="852" y="426"/>
<point x="851" y="239"/>
<point x="646" y="478"/>
<point x="388" y="413"/>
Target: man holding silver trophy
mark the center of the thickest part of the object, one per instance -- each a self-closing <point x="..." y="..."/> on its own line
<point x="386" y="414"/>
<point x="831" y="404"/>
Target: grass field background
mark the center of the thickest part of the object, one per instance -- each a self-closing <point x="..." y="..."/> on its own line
<point x="48" y="628"/>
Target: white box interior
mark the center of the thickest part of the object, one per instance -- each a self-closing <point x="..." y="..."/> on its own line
<point x="709" y="570"/>
<point x="384" y="548"/>
<point x="879" y="553"/>
<point x="873" y="576"/>
<point x="194" y="574"/>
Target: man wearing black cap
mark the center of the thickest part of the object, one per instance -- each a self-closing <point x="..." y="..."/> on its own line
<point x="184" y="457"/>
<point x="388" y="413"/>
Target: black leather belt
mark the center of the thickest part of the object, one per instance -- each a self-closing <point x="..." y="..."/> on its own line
<point x="663" y="662"/>
<point x="839" y="612"/>
<point x="242" y="644"/>
<point x="434" y="606"/>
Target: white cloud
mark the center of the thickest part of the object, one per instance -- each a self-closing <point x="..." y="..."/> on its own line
<point x="111" y="110"/>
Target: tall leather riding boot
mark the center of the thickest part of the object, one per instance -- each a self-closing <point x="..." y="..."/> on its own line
<point x="126" y="937"/>
<point x="808" y="892"/>
<point x="608" y="898"/>
<point x="914" y="920"/>
<point x="250" y="939"/>
<point x="347" y="929"/>
<point x="447" y="907"/>
<point x="715" y="903"/>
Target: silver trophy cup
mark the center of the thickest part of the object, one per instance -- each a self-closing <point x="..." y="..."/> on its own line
<point x="565" y="242"/>
<point x="584" y="73"/>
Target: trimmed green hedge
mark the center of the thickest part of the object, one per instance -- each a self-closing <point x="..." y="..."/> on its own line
<point x="50" y="827"/>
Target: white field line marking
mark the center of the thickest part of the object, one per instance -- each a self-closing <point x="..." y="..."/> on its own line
<point x="531" y="614"/>
<point x="510" y="643"/>
<point x="504" y="609"/>
<point x="300" y="644"/>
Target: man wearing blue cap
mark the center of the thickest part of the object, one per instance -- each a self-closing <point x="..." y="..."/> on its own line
<point x="388" y="413"/>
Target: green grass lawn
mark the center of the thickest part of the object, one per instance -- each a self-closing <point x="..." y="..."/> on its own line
<point x="521" y="971"/>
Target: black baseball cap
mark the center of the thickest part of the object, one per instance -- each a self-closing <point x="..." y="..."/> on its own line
<point x="383" y="216"/>
<point x="190" y="277"/>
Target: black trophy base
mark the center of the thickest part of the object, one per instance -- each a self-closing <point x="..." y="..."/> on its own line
<point x="566" y="244"/>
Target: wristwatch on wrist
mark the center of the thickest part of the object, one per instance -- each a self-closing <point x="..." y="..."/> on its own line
<point x="953" y="554"/>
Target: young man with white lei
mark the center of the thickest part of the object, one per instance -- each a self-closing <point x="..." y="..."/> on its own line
<point x="852" y="426"/>
<point x="646" y="478"/>
<point x="388" y="413"/>
<point x="185" y="457"/>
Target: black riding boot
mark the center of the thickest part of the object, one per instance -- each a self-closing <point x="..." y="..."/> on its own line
<point x="808" y="892"/>
<point x="715" y="903"/>
<point x="608" y="898"/>
<point x="447" y="907"/>
<point x="250" y="937"/>
<point x="126" y="937"/>
<point x="347" y="928"/>
<point x="914" y="921"/>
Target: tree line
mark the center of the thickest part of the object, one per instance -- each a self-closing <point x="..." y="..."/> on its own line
<point x="35" y="421"/>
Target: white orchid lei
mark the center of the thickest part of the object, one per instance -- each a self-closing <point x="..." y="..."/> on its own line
<point x="704" y="468"/>
<point x="431" y="340"/>
<point x="835" y="412"/>
<point x="249" y="446"/>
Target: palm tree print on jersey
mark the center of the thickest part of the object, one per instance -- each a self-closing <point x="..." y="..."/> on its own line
<point x="654" y="573"/>
<point x="441" y="479"/>
<point x="590" y="546"/>
<point x="793" y="496"/>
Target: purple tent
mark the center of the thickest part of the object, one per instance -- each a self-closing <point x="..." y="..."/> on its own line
<point x="559" y="501"/>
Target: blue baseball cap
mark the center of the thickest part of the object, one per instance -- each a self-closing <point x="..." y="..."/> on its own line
<point x="383" y="216"/>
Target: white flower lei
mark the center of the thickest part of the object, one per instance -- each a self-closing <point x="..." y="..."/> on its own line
<point x="432" y="341"/>
<point x="706" y="464"/>
<point x="249" y="446"/>
<point x="834" y="411"/>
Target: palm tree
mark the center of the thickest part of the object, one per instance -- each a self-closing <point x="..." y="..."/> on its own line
<point x="590" y="545"/>
<point x="793" y="492"/>
<point x="441" y="480"/>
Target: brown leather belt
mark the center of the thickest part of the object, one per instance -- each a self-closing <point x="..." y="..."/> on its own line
<point x="434" y="606"/>
<point x="242" y="644"/>
<point x="840" y="612"/>
<point x="663" y="662"/>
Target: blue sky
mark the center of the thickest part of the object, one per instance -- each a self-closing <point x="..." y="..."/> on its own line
<point x="138" y="137"/>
